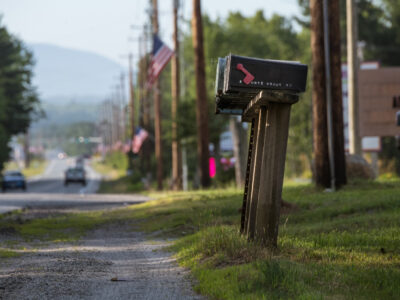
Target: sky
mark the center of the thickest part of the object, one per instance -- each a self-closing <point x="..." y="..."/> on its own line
<point x="109" y="27"/>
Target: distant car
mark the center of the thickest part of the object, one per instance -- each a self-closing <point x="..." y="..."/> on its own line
<point x="13" y="180"/>
<point x="75" y="175"/>
<point x="79" y="163"/>
<point x="62" y="155"/>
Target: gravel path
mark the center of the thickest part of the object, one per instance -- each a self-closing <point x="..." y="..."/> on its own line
<point x="110" y="263"/>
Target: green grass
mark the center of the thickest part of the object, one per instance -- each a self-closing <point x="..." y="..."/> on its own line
<point x="63" y="228"/>
<point x="108" y="170"/>
<point x="116" y="181"/>
<point x="114" y="165"/>
<point x="6" y="253"/>
<point x="36" y="167"/>
<point x="335" y="245"/>
<point x="56" y="228"/>
<point x="121" y="185"/>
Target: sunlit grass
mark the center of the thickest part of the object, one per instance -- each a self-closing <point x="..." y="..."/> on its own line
<point x="36" y="167"/>
<point x="120" y="185"/>
<point x="335" y="245"/>
<point x="113" y="167"/>
<point x="107" y="170"/>
<point x="63" y="228"/>
<point x="6" y="253"/>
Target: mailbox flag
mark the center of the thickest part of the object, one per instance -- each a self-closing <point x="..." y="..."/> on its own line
<point x="160" y="57"/>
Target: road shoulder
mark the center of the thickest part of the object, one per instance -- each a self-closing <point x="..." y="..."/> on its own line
<point x="111" y="262"/>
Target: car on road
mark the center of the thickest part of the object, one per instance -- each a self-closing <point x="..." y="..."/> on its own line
<point x="62" y="155"/>
<point x="80" y="162"/>
<point x="13" y="180"/>
<point x="75" y="174"/>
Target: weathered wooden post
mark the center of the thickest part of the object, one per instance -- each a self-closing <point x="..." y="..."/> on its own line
<point x="262" y="91"/>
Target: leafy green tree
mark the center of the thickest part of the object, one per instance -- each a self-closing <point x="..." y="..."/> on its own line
<point x="256" y="36"/>
<point x="19" y="103"/>
<point x="379" y="29"/>
<point x="73" y="134"/>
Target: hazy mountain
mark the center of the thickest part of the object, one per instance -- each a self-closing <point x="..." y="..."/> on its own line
<point x="62" y="74"/>
<point x="71" y="83"/>
<point x="68" y="112"/>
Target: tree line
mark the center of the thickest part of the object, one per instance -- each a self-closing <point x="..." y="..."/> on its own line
<point x="274" y="37"/>
<point x="19" y="102"/>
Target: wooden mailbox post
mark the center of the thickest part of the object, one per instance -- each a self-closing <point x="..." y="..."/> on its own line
<point x="262" y="92"/>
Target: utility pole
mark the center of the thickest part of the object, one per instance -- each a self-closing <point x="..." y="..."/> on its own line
<point x="157" y="110"/>
<point x="110" y="111"/>
<point x="145" y="101"/>
<point x="352" y="77"/>
<point x="117" y="104"/>
<point x="239" y="139"/>
<point x="201" y="101"/>
<point x="140" y="82"/>
<point x="26" y="149"/>
<point x="115" y="117"/>
<point x="131" y="112"/>
<point x="145" y="67"/>
<point x="175" y="89"/>
<point x="131" y="99"/>
<point x="123" y="108"/>
<point x="323" y="161"/>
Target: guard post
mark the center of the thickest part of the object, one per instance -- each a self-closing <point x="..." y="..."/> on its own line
<point x="262" y="92"/>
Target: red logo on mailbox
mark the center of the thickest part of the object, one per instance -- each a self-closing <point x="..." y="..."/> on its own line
<point x="249" y="77"/>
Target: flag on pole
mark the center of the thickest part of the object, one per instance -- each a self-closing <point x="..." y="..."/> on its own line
<point x="160" y="57"/>
<point x="140" y="136"/>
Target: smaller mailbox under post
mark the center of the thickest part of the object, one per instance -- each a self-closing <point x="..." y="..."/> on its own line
<point x="262" y="92"/>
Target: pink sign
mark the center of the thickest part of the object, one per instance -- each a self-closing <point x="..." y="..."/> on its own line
<point x="212" y="167"/>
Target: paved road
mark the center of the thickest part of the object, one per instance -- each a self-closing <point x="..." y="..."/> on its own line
<point x="48" y="191"/>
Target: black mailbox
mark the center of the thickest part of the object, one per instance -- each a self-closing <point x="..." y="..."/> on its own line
<point x="239" y="79"/>
<point x="262" y="92"/>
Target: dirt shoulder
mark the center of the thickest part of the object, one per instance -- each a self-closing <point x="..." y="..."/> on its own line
<point x="112" y="262"/>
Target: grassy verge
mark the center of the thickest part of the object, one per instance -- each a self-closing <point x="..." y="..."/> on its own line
<point x="27" y="227"/>
<point x="122" y="185"/>
<point x="109" y="171"/>
<point x="36" y="167"/>
<point x="6" y="253"/>
<point x="336" y="245"/>
<point x="113" y="168"/>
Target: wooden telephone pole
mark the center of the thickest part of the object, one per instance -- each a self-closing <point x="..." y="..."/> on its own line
<point x="144" y="119"/>
<point x="322" y="166"/>
<point x="131" y="98"/>
<point x="239" y="138"/>
<point x="141" y="82"/>
<point x="123" y="108"/>
<point x="175" y="89"/>
<point x="26" y="149"/>
<point x="157" y="110"/>
<point x="352" y="77"/>
<point x="201" y="101"/>
<point x="146" y="62"/>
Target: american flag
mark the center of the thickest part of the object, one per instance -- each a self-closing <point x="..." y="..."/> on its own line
<point x="140" y="137"/>
<point x="160" y="57"/>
